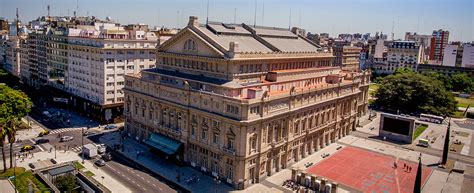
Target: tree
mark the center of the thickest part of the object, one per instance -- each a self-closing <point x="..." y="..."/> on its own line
<point x="66" y="183"/>
<point x="462" y="82"/>
<point x="411" y="92"/>
<point x="403" y="70"/>
<point x="14" y="105"/>
<point x="441" y="77"/>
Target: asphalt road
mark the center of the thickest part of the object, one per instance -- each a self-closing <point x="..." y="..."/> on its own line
<point x="135" y="179"/>
<point x="120" y="169"/>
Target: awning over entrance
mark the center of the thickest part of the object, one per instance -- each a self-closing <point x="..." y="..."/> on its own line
<point x="163" y="143"/>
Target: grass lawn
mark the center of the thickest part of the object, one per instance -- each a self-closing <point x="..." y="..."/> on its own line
<point x="419" y="130"/>
<point x="89" y="173"/>
<point x="464" y="102"/>
<point x="10" y="172"/>
<point x="78" y="165"/>
<point x="373" y="88"/>
<point x="458" y="114"/>
<point x="23" y="180"/>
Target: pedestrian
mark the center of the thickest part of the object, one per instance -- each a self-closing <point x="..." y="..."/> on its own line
<point x="404" y="165"/>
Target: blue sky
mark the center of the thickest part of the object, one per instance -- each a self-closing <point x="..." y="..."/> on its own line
<point x="332" y="16"/>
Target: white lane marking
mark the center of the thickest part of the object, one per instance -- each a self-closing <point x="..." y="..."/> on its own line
<point x="153" y="185"/>
<point x="161" y="189"/>
<point x="148" y="181"/>
<point x="39" y="146"/>
<point x="32" y="141"/>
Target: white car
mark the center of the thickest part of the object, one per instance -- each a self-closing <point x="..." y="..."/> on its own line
<point x="66" y="138"/>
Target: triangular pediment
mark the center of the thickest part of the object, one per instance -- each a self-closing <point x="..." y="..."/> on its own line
<point x="190" y="43"/>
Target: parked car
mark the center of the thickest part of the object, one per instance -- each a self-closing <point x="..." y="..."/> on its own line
<point x="66" y="138"/>
<point x="111" y="126"/>
<point x="107" y="157"/>
<point x="31" y="165"/>
<point x="27" y="148"/>
<point x="53" y="161"/>
<point x="40" y="141"/>
<point x="100" y="162"/>
<point x="43" y="133"/>
<point x="47" y="114"/>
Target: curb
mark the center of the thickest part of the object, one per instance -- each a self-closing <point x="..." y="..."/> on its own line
<point x="167" y="181"/>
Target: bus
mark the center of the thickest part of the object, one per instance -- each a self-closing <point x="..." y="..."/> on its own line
<point x="423" y="142"/>
<point x="431" y="118"/>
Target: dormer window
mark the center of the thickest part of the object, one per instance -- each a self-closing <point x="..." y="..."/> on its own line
<point x="190" y="45"/>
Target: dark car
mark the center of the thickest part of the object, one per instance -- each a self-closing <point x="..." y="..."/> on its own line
<point x="107" y="157"/>
<point x="100" y="162"/>
<point x="40" y="141"/>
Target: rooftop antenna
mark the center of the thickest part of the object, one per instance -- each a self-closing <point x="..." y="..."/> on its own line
<point x="299" y="18"/>
<point x="289" y="21"/>
<point x="177" y="19"/>
<point x="235" y="15"/>
<point x="17" y="21"/>
<point x="158" y="24"/>
<point x="207" y="13"/>
<point x="263" y="13"/>
<point x="393" y="26"/>
<point x="49" y="8"/>
<point x="77" y="7"/>
<point x="255" y="15"/>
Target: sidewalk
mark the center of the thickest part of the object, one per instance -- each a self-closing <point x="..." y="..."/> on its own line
<point x="41" y="159"/>
<point x="166" y="169"/>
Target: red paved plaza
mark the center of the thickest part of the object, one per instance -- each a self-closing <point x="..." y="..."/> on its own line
<point x="368" y="171"/>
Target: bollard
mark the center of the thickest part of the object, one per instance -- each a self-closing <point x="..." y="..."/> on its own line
<point x="313" y="182"/>
<point x="322" y="186"/>
<point x="334" y="187"/>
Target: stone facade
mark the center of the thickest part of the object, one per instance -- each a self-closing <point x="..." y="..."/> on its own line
<point x="245" y="109"/>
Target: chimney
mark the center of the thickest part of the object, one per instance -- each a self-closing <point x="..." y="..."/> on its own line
<point x="193" y="21"/>
<point x="295" y="30"/>
<point x="233" y="48"/>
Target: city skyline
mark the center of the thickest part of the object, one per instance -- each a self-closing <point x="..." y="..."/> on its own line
<point x="403" y="16"/>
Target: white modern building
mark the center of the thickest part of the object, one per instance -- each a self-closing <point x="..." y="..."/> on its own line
<point x="450" y="53"/>
<point x="97" y="61"/>
<point x="468" y="56"/>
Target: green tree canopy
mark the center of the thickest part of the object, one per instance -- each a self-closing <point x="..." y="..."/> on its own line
<point x="462" y="82"/>
<point x="14" y="104"/>
<point x="66" y="183"/>
<point x="408" y="92"/>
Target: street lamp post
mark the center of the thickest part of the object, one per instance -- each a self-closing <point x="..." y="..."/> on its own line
<point x="103" y="181"/>
<point x="14" y="171"/>
<point x="82" y="141"/>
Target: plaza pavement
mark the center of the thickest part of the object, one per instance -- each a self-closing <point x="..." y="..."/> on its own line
<point x="41" y="159"/>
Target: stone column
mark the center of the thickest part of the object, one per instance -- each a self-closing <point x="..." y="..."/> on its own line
<point x="294" y="172"/>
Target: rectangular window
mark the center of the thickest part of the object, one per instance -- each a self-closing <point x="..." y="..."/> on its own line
<point x="215" y="138"/>
<point x="203" y="134"/>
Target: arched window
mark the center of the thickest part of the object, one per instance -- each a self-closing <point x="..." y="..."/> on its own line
<point x="190" y="45"/>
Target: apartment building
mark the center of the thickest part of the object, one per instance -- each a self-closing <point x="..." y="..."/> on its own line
<point x="240" y="102"/>
<point x="85" y="62"/>
<point x="468" y="55"/>
<point x="12" y="56"/>
<point x="438" y="43"/>
<point x="346" y="55"/>
<point x="450" y="55"/>
<point x="401" y="54"/>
